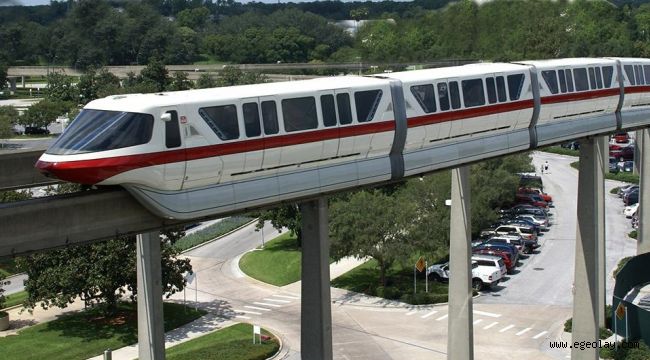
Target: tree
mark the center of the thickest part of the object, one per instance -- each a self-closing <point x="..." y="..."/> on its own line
<point x="156" y="73"/>
<point x="3" y="76"/>
<point x="205" y="81"/>
<point x="372" y="224"/>
<point x="8" y="116"/>
<point x="60" y="88"/>
<point x="180" y="82"/>
<point x="231" y="75"/>
<point x="284" y="216"/>
<point x="43" y="113"/>
<point x="96" y="84"/>
<point x="98" y="273"/>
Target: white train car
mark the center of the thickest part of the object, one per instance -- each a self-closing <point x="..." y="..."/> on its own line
<point x="201" y="152"/>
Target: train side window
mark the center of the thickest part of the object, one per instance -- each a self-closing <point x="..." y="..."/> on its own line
<point x="608" y="72"/>
<point x="343" y="106"/>
<point x="501" y="89"/>
<point x="646" y="71"/>
<point x="454" y="95"/>
<point x="425" y="96"/>
<point x="562" y="78"/>
<point x="366" y="103"/>
<point x="299" y="114"/>
<point x="270" y="117"/>
<point x="222" y="120"/>
<point x="550" y="77"/>
<point x="251" y="120"/>
<point x="569" y="80"/>
<point x="443" y="96"/>
<point x="515" y="83"/>
<point x="580" y="76"/>
<point x="592" y="78"/>
<point x="172" y="131"/>
<point x="491" y="90"/>
<point x="599" y="78"/>
<point x="629" y="71"/>
<point x="473" y="94"/>
<point x="329" y="110"/>
<point x="639" y="75"/>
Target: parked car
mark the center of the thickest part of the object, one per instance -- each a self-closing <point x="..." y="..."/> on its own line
<point x="505" y="256"/>
<point x="533" y="190"/>
<point x="484" y="275"/>
<point x="629" y="211"/>
<point x="524" y="231"/>
<point x="516" y="243"/>
<point x="525" y="245"/>
<point x="533" y="199"/>
<point x="613" y="165"/>
<point x="514" y="254"/>
<point x="621" y="137"/>
<point x="631" y="198"/>
<point x="523" y="222"/>
<point x="573" y="145"/>
<point x="625" y="189"/>
<point x="32" y="130"/>
<point x="623" y="154"/>
<point x="542" y="222"/>
<point x="626" y="166"/>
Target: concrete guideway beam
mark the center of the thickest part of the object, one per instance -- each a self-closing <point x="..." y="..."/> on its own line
<point x="17" y="170"/>
<point x="51" y="222"/>
<point x="602" y="149"/>
<point x="151" y="332"/>
<point x="460" y="341"/>
<point x="316" y="311"/>
<point x="643" y="236"/>
<point x="588" y="262"/>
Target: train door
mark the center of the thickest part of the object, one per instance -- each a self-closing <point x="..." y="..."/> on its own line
<point x="346" y="122"/>
<point x="453" y="92"/>
<point x="327" y="110"/>
<point x="271" y="129"/>
<point x="174" y="171"/>
<point x="254" y="154"/>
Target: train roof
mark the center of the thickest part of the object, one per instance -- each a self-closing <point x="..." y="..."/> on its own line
<point x="568" y="62"/>
<point x="455" y="71"/>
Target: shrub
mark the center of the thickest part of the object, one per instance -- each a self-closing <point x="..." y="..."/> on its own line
<point x="632" y="234"/>
<point x="615" y="190"/>
<point x="621" y="263"/>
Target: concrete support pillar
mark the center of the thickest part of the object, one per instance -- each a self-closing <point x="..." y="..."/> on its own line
<point x="316" y="312"/>
<point x="638" y="145"/>
<point x="22" y="81"/>
<point x="460" y="340"/>
<point x="587" y="261"/>
<point x="12" y="83"/>
<point x="643" y="234"/>
<point x="602" y="159"/>
<point x="151" y="333"/>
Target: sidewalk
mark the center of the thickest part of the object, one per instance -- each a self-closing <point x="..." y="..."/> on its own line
<point x="20" y="319"/>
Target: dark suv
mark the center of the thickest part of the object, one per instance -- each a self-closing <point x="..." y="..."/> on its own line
<point x="32" y="130"/>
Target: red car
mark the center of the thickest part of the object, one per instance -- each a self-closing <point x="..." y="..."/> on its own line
<point x="621" y="137"/>
<point x="532" y="199"/>
<point x="622" y="154"/>
<point x="526" y="190"/>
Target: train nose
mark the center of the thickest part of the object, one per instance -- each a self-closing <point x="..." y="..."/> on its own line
<point x="45" y="167"/>
<point x="67" y="171"/>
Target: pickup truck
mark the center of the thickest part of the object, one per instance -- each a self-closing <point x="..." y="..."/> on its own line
<point x="482" y="276"/>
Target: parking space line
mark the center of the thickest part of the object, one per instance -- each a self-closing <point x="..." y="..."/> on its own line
<point x="486" y="314"/>
<point x="523" y="331"/>
<point x="256" y="308"/>
<point x="540" y="335"/>
<point x="428" y="314"/>
<point x="286" y="297"/>
<point x="247" y="312"/>
<point x="266" y="304"/>
<point x="477" y="321"/>
<point x="411" y="312"/>
<point x="278" y="300"/>
<point x="243" y="317"/>
<point x="442" y="317"/>
<point x="506" y="328"/>
<point x="491" y="325"/>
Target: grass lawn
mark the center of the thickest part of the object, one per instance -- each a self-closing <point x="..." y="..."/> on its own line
<point x="627" y="177"/>
<point x="7" y="266"/>
<point x="15" y="299"/>
<point x="232" y="343"/>
<point x="278" y="264"/>
<point x="88" y="333"/>
<point x="560" y="150"/>
<point x="399" y="284"/>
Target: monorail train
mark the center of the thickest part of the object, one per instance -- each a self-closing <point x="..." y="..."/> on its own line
<point x="202" y="152"/>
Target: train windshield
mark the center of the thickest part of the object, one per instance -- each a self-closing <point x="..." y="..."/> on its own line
<point x="100" y="130"/>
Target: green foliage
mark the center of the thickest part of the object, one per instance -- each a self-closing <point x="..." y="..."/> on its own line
<point x="155" y="73"/>
<point x="3" y="76"/>
<point x="633" y="234"/>
<point x="233" y="343"/>
<point x="277" y="264"/>
<point x="179" y="81"/>
<point x="284" y="216"/>
<point x="620" y="265"/>
<point x="231" y="75"/>
<point x="60" y="89"/>
<point x="205" y="81"/>
<point x="97" y="84"/>
<point x="620" y="176"/>
<point x="14" y="299"/>
<point x="84" y="334"/>
<point x="214" y="231"/>
<point x="560" y="150"/>
<point x="44" y="112"/>
<point x="8" y="116"/>
<point x="627" y="350"/>
<point x="615" y="190"/>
